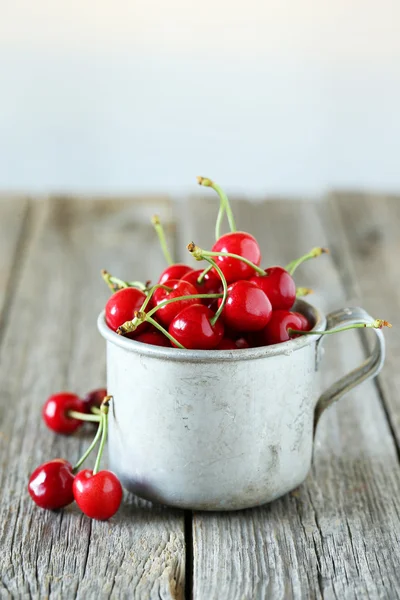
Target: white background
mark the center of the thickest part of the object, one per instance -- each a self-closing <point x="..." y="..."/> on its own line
<point x="285" y="96"/>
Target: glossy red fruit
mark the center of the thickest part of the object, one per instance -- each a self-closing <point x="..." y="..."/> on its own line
<point x="305" y="324"/>
<point x="155" y="338"/>
<point x="50" y="485"/>
<point x="55" y="412"/>
<point x="241" y="243"/>
<point x="193" y="329"/>
<point x="98" y="496"/>
<point x="277" y="329"/>
<point x="176" y="271"/>
<point x="242" y="343"/>
<point x="121" y="307"/>
<point x="226" y="344"/>
<point x="279" y="287"/>
<point x="211" y="283"/>
<point x="179" y="288"/>
<point x="94" y="398"/>
<point x="247" y="307"/>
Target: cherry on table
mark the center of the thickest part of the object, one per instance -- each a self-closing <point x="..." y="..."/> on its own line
<point x="121" y="307"/>
<point x="55" y="412"/>
<point x="243" y="244"/>
<point x="94" y="398"/>
<point x="98" y="496"/>
<point x="179" y="288"/>
<point x="279" y="287"/>
<point x="192" y="328"/>
<point x="50" y="485"/>
<point x="247" y="307"/>
<point x="175" y="271"/>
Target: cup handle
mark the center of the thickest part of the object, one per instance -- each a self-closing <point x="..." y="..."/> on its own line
<point x="369" y="368"/>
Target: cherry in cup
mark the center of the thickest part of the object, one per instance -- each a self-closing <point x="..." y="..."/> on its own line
<point x="122" y="306"/>
<point x="277" y="330"/>
<point x="278" y="285"/>
<point x="178" y="288"/>
<point x="194" y="328"/>
<point x="247" y="307"/>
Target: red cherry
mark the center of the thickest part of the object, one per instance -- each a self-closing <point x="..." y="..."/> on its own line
<point x="247" y="308"/>
<point x="55" y="412"/>
<point x="226" y="344"/>
<point x="277" y="329"/>
<point x="98" y="496"/>
<point x="179" y="288"/>
<point x="176" y="271"/>
<point x="242" y="343"/>
<point x="156" y="338"/>
<point x="279" y="287"/>
<point x="193" y="329"/>
<point x="50" y="485"/>
<point x="211" y="283"/>
<point x="305" y="324"/>
<point x="241" y="243"/>
<point x="121" y="307"/>
<point x="94" y="399"/>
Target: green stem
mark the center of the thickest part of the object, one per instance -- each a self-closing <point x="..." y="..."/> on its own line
<point x="165" y="332"/>
<point x="303" y="291"/>
<point x="203" y="274"/>
<point x="73" y="414"/>
<point x="225" y="289"/>
<point x="224" y="204"/>
<point x="161" y="236"/>
<point x="205" y="253"/>
<point x="115" y="284"/>
<point x="377" y="324"/>
<point x="104" y="418"/>
<point x="292" y="266"/>
<point x="95" y="410"/>
<point x="187" y="297"/>
<point x="92" y="445"/>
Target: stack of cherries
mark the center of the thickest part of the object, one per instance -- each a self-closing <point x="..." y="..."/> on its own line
<point x="231" y="304"/>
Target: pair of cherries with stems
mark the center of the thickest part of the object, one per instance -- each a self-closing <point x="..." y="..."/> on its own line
<point x="56" y="483"/>
<point x="233" y="300"/>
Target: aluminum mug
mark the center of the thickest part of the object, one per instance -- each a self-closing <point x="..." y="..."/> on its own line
<point x="221" y="429"/>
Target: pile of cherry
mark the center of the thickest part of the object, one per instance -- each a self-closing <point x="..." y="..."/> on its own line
<point x="231" y="304"/>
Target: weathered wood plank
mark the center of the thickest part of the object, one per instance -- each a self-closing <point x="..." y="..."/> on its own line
<point x="51" y="343"/>
<point x="337" y="535"/>
<point x="368" y="233"/>
<point x="13" y="222"/>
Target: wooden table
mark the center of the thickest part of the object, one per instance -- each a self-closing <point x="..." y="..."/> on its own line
<point x="337" y="536"/>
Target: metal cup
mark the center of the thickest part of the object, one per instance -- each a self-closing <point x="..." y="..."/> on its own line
<point x="221" y="430"/>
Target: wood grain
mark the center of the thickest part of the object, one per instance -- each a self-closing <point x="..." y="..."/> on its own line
<point x="14" y="224"/>
<point x="368" y="231"/>
<point x="50" y="343"/>
<point x="337" y="535"/>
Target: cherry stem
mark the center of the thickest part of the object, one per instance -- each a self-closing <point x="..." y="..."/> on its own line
<point x="161" y="236"/>
<point x="104" y="416"/>
<point x="201" y="254"/>
<point x="303" y="291"/>
<point x="292" y="266"/>
<point x="225" y="288"/>
<point x="165" y="332"/>
<point x="73" y="414"/>
<point x="91" y="447"/>
<point x="115" y="284"/>
<point x="141" y="316"/>
<point x="224" y="205"/>
<point x="377" y="324"/>
<point x="203" y="274"/>
<point x="95" y="410"/>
